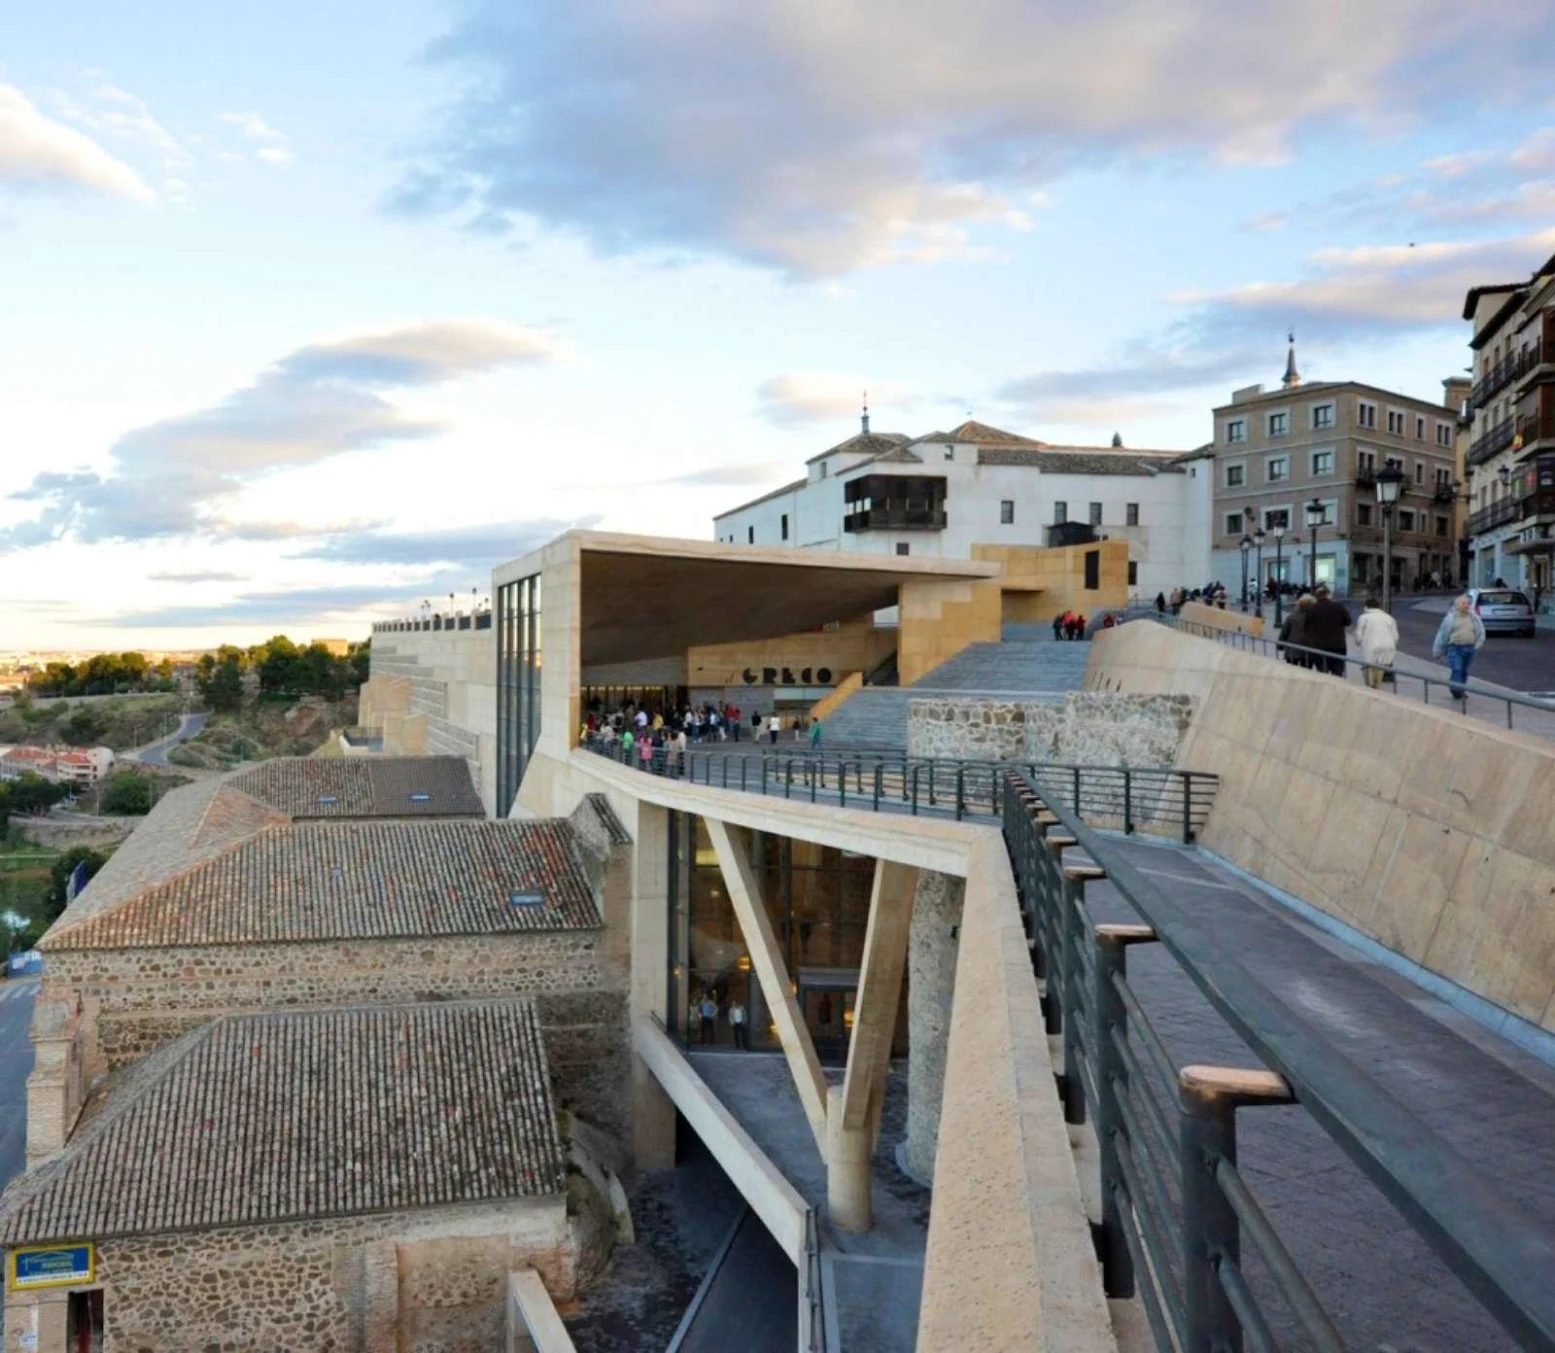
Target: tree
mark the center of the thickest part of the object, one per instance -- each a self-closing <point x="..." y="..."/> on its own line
<point x="61" y="870"/>
<point x="221" y="682"/>
<point x="361" y="662"/>
<point x="278" y="661"/>
<point x="29" y="794"/>
<point x="128" y="795"/>
<point x="85" y="727"/>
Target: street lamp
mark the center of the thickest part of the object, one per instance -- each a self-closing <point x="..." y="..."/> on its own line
<point x="1390" y="483"/>
<point x="1315" y="515"/>
<point x="1245" y="547"/>
<point x="1279" y="571"/>
<point x="1258" y="575"/>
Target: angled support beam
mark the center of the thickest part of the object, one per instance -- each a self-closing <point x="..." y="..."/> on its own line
<point x="853" y="1110"/>
<point x="772" y="972"/>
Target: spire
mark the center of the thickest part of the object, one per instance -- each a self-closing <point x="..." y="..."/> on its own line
<point x="1292" y="376"/>
<point x="1117" y="439"/>
<point x="864" y="421"/>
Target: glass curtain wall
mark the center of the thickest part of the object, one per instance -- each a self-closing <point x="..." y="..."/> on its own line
<point x="518" y="684"/>
<point x="817" y="898"/>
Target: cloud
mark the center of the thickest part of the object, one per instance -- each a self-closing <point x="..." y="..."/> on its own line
<point x="197" y="576"/>
<point x="255" y="128"/>
<point x="124" y="116"/>
<point x="297" y="606"/>
<point x="319" y="401"/>
<point x="274" y="154"/>
<point x="820" y="138"/>
<point x="39" y="153"/>
<point x="726" y="476"/>
<point x="803" y="397"/>
<point x="1138" y="370"/>
<point x="477" y="546"/>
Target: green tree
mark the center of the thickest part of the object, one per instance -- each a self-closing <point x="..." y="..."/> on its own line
<point x="279" y="664"/>
<point x="221" y="681"/>
<point x="85" y="727"/>
<point x="128" y="795"/>
<point x="361" y="662"/>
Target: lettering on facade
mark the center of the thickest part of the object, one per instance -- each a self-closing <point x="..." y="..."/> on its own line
<point x="787" y="676"/>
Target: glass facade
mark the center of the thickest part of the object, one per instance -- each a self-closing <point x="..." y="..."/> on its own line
<point x="817" y="898"/>
<point x="518" y="684"/>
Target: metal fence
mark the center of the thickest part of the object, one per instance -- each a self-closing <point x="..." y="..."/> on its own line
<point x="1320" y="658"/>
<point x="1155" y="801"/>
<point x="1177" y="1215"/>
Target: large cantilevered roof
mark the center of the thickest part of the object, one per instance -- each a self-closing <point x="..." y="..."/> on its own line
<point x="650" y="597"/>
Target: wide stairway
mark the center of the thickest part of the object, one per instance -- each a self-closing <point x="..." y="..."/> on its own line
<point x="876" y="716"/>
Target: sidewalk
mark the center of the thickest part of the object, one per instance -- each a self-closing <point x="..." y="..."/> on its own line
<point x="1525" y="719"/>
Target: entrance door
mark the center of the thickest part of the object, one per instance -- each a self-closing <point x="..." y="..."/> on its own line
<point x="828" y="1013"/>
<point x="84" y="1322"/>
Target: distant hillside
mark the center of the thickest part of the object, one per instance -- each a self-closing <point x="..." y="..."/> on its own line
<point x="265" y="728"/>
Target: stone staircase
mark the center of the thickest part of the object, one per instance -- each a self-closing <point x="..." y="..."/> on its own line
<point x="876" y="716"/>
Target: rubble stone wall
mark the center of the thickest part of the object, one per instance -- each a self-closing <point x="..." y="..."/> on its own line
<point x="1091" y="728"/>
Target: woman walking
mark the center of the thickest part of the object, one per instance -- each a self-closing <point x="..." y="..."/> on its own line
<point x="1294" y="631"/>
<point x="1460" y="637"/>
<point x="1377" y="633"/>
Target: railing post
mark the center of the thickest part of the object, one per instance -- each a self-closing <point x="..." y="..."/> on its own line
<point x="1110" y="1020"/>
<point x="1187" y="808"/>
<point x="765" y="762"/>
<point x="1209" y="1097"/>
<point x="960" y="791"/>
<point x="1071" y="937"/>
<point x="879" y="776"/>
<point x="1077" y="791"/>
<point x="1128" y="802"/>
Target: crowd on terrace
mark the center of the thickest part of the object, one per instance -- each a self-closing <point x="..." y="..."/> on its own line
<point x="658" y="739"/>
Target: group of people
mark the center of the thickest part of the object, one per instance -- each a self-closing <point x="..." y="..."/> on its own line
<point x="1069" y="625"/>
<point x="704" y="1017"/>
<point x="1313" y="636"/>
<point x="658" y="741"/>
<point x="1211" y="594"/>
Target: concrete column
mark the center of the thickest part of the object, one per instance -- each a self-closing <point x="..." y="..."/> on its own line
<point x="931" y="981"/>
<point x="653" y="1114"/>
<point x="848" y="1203"/>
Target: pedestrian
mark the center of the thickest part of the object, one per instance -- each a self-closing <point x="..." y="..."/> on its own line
<point x="755" y="725"/>
<point x="1160" y="603"/>
<point x="1327" y="621"/>
<point x="708" y="1012"/>
<point x="1377" y="633"/>
<point x="626" y="746"/>
<point x="815" y="734"/>
<point x="1059" y="621"/>
<point x="1108" y="621"/>
<point x="1293" y="633"/>
<point x="645" y="752"/>
<point x="1460" y="637"/>
<point x="1077" y="626"/>
<point x="738" y="1027"/>
<point x="678" y="742"/>
<point x="732" y="718"/>
<point x="774" y="727"/>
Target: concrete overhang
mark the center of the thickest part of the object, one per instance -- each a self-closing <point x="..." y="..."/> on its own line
<point x="653" y="597"/>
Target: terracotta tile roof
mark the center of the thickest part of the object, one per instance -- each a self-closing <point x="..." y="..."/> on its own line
<point x="865" y="443"/>
<point x="1084" y="460"/>
<point x="391" y="786"/>
<point x="981" y="434"/>
<point x="614" y="829"/>
<point x="268" y="1118"/>
<point x="354" y="880"/>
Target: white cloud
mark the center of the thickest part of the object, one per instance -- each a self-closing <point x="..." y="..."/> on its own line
<point x="274" y="154"/>
<point x="254" y="127"/>
<point x="37" y="152"/>
<point x="804" y="397"/>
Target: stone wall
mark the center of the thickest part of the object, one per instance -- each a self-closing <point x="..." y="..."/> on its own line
<point x="1091" y="728"/>
<point x="407" y="1282"/>
<point x="138" y="999"/>
<point x="931" y="979"/>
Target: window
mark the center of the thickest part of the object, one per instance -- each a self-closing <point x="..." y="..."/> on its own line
<point x="1444" y="434"/>
<point x="1322" y="416"/>
<point x="1419" y="472"/>
<point x="1236" y="430"/>
<point x="1363" y="514"/>
<point x="950" y="453"/>
<point x="1133" y="574"/>
<point x="1276" y="469"/>
<point x="902" y="547"/>
<point x="750" y="535"/>
<point x="1233" y="523"/>
<point x="1330" y="513"/>
<point x="1443" y="477"/>
<point x="1236" y="476"/>
<point x="785" y="526"/>
<point x="1395" y="463"/>
<point x="1366" y="462"/>
<point x="1279" y="424"/>
<point x="1441" y="526"/>
<point x="822" y="475"/>
<point x="1276" y="516"/>
<point x="1060" y="513"/>
<point x="1092" y="570"/>
<point x="1419" y="428"/>
<point x="1095" y="514"/>
<point x="1007" y="512"/>
<point x="1322" y="462"/>
<point x="1365" y="414"/>
<point x="1406" y="520"/>
<point x="1131" y="514"/>
<point x="518" y="683"/>
<point x="1396" y="422"/>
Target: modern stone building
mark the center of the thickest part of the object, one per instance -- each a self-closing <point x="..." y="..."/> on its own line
<point x="1279" y="452"/>
<point x="1511" y="454"/>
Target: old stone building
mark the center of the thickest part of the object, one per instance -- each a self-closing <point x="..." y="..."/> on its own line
<point x="324" y="995"/>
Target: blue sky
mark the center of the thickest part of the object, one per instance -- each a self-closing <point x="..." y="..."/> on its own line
<point x="310" y="312"/>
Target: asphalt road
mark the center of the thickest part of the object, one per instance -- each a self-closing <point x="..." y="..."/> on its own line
<point x="16" y="997"/>
<point x="156" y="753"/>
<point x="1520" y="664"/>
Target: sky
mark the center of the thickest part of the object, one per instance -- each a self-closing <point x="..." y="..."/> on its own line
<point x="311" y="313"/>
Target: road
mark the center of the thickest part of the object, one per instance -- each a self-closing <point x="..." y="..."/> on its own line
<point x="156" y="753"/>
<point x="16" y="997"/>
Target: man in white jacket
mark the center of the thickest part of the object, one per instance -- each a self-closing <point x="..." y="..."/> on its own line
<point x="1377" y="633"/>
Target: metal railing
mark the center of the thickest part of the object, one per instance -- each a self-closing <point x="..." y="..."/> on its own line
<point x="1497" y="439"/>
<point x="1177" y="1215"/>
<point x="1148" y="800"/>
<point x="1322" y="659"/>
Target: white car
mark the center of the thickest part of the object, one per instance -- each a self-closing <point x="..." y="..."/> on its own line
<point x="1503" y="610"/>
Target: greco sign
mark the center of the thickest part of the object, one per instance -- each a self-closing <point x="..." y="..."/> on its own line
<point x="787" y="676"/>
<point x="50" y="1266"/>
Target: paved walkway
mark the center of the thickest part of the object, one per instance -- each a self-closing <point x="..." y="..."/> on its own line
<point x="873" y="1280"/>
<point x="1487" y="1098"/>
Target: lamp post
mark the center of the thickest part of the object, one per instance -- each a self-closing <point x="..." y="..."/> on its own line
<point x="1258" y="575"/>
<point x="1314" y="520"/>
<point x="1390" y="483"/>
<point x="1245" y="547"/>
<point x="1279" y="572"/>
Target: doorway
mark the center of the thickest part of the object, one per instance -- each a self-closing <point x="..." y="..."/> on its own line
<point x="84" y="1322"/>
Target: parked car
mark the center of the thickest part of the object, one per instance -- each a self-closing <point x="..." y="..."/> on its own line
<point x="1504" y="610"/>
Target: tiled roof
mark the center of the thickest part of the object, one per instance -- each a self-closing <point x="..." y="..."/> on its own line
<point x="391" y="786"/>
<point x="269" y="1118"/>
<point x="981" y="434"/>
<point x="865" y="443"/>
<point x="771" y="493"/>
<point x="614" y="830"/>
<point x="1084" y="462"/>
<point x="354" y="880"/>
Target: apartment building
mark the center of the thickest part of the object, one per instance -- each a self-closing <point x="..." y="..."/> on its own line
<point x="1312" y="451"/>
<point x="1510" y="461"/>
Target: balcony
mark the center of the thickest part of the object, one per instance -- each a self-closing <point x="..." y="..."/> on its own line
<point x="1366" y="477"/>
<point x="1503" y="373"/>
<point x="1533" y="429"/>
<point x="1497" y="514"/>
<point x="1493" y="442"/>
<point x="896" y="517"/>
<point x="1532" y="360"/>
<point x="1444" y="493"/>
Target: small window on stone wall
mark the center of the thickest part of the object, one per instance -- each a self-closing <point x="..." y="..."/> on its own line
<point x="1092" y="570"/>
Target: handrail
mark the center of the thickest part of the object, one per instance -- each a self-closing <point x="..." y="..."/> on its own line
<point x="1502" y="1252"/>
<point x="1280" y="647"/>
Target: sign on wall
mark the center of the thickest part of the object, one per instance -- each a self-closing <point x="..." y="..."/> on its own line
<point x="786" y="676"/>
<point x="50" y="1266"/>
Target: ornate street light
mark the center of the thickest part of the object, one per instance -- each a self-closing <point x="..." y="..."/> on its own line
<point x="1315" y="515"/>
<point x="1279" y="571"/>
<point x="1390" y="484"/>
<point x="1246" y="548"/>
<point x="1258" y="575"/>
